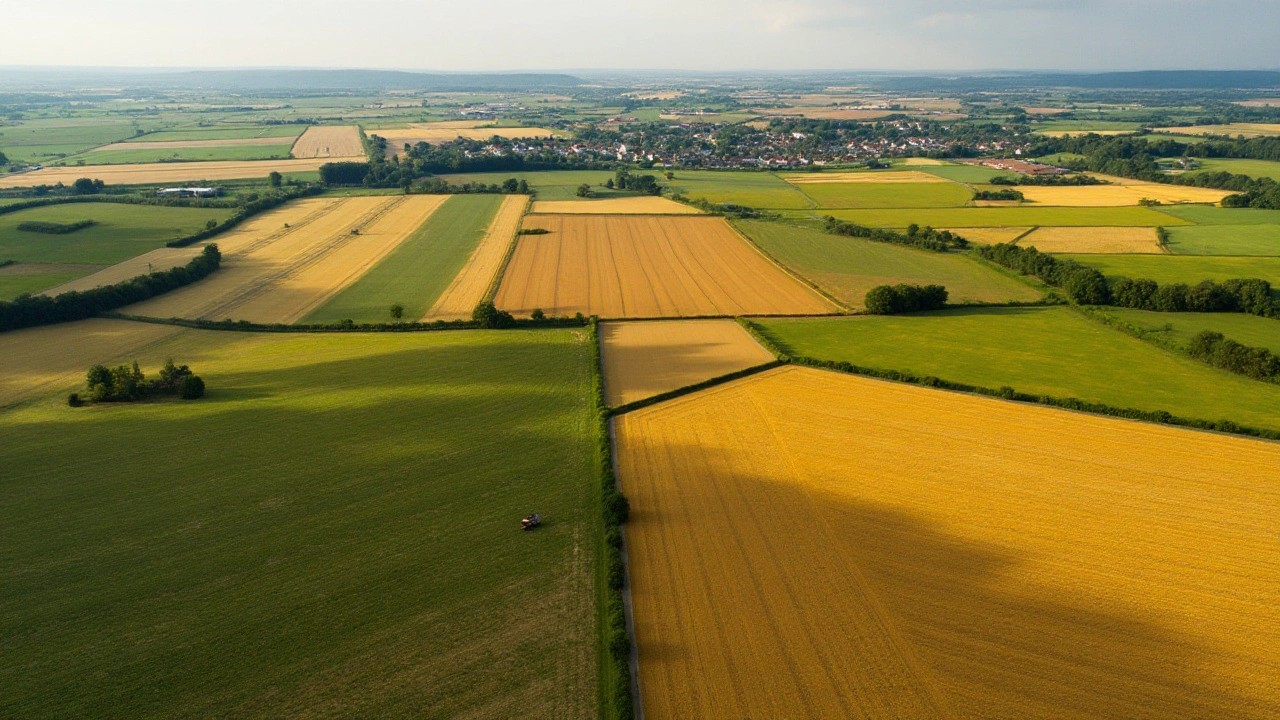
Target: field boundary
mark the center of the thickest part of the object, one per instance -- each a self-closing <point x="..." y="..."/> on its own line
<point x="491" y="293"/>
<point x="1005" y="392"/>
<point x="688" y="389"/>
<point x="841" y="307"/>
<point x="435" y="325"/>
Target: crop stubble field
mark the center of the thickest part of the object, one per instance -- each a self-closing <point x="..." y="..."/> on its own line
<point x="646" y="266"/>
<point x="1119" y="195"/>
<point x="644" y="205"/>
<point x="807" y="544"/>
<point x="328" y="141"/>
<point x="1094" y="240"/>
<point x="643" y="359"/>
<point x="469" y="286"/>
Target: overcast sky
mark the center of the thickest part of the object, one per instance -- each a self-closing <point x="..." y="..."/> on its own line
<point x="648" y="34"/>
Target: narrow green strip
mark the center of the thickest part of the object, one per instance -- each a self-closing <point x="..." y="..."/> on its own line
<point x="416" y="273"/>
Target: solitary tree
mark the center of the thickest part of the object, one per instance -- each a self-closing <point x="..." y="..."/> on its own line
<point x="275" y="178"/>
<point x="584" y="190"/>
<point x="669" y="175"/>
<point x="397" y="311"/>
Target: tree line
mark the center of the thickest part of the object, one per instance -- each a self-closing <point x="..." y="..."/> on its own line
<point x="925" y="238"/>
<point x="1220" y="351"/>
<point x="54" y="228"/>
<point x="895" y="299"/>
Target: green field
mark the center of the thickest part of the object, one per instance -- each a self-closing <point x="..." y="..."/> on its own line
<point x="224" y="132"/>
<point x="1011" y="217"/>
<point x="753" y="189"/>
<point x="887" y="195"/>
<point x="419" y="270"/>
<point x="551" y="185"/>
<point x="1207" y="215"/>
<point x="45" y="140"/>
<point x="1252" y="168"/>
<point x="1051" y="351"/>
<point x="961" y="173"/>
<point x="123" y="231"/>
<point x="144" y="154"/>
<point x="333" y="531"/>
<point x="13" y="285"/>
<point x="1189" y="269"/>
<point x="1084" y="126"/>
<point x="1225" y="240"/>
<point x="1181" y="327"/>
<point x="848" y="267"/>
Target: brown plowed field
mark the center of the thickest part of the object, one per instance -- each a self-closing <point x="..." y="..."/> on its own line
<point x="473" y="281"/>
<point x="154" y="261"/>
<point x="1094" y="240"/>
<point x="805" y="544"/>
<point x="328" y="141"/>
<point x="643" y="359"/>
<point x="647" y="266"/>
<point x="155" y="173"/>
<point x="278" y="274"/>
<point x="615" y="206"/>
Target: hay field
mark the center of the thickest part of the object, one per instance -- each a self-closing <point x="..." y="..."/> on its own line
<point x="991" y="235"/>
<point x="922" y="162"/>
<point x="154" y="261"/>
<point x="1249" y="130"/>
<point x="647" y="205"/>
<point x="643" y="359"/>
<point x="328" y="141"/>
<point x="892" y="176"/>
<point x="1114" y="195"/>
<point x="154" y="173"/>
<point x="804" y="544"/>
<point x="646" y="266"/>
<point x="472" y="283"/>
<point x="1094" y="240"/>
<point x="277" y="274"/>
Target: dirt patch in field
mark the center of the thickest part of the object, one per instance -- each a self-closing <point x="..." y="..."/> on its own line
<point x="159" y="173"/>
<point x="328" y="141"/>
<point x="643" y="359"/>
<point x="647" y="266"/>
<point x="805" y="544"/>
<point x="904" y="176"/>
<point x="154" y="261"/>
<point x="614" y="206"/>
<point x="473" y="282"/>
<point x="1094" y="240"/>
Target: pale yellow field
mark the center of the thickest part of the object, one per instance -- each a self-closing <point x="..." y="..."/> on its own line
<point x="1261" y="102"/>
<point x="148" y="173"/>
<point x="922" y="161"/>
<point x="989" y="235"/>
<point x="1113" y="195"/>
<point x="154" y="261"/>
<point x="1094" y="240"/>
<point x="804" y="544"/>
<point x="648" y="205"/>
<point x="903" y="176"/>
<point x="276" y="274"/>
<point x="328" y="141"/>
<point x="435" y="133"/>
<point x="474" y="280"/>
<point x="1248" y="130"/>
<point x="643" y="359"/>
<point x="41" y="360"/>
<point x="646" y="266"/>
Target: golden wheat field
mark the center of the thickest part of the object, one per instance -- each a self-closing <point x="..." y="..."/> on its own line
<point x="643" y="359"/>
<point x="893" y="176"/>
<point x="436" y="133"/>
<point x="990" y="235"/>
<point x="614" y="206"/>
<point x="476" y="278"/>
<point x="623" y="266"/>
<point x="1113" y="195"/>
<point x="277" y="274"/>
<point x="148" y="173"/>
<point x="805" y="544"/>
<point x="922" y="162"/>
<point x="328" y="141"/>
<point x="154" y="261"/>
<point x="1249" y="130"/>
<point x="1094" y="240"/>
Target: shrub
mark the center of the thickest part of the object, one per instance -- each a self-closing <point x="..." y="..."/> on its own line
<point x="344" y="173"/>
<point x="537" y="314"/>
<point x="616" y="509"/>
<point x="490" y="317"/>
<point x="192" y="388"/>
<point x="894" y="299"/>
<point x="87" y="186"/>
<point x="53" y="228"/>
<point x="1220" y="351"/>
<point x="74" y="400"/>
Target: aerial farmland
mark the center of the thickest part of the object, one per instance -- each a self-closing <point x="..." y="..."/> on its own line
<point x="634" y="394"/>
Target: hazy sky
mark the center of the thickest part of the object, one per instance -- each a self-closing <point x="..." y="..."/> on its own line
<point x="627" y="34"/>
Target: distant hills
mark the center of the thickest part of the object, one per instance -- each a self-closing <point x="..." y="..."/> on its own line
<point x="266" y="79"/>
<point x="1141" y="80"/>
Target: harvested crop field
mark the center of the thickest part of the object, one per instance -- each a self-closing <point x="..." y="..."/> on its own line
<point x="1094" y="240"/>
<point x="1249" y="130"/>
<point x="273" y="273"/>
<point x="647" y="266"/>
<point x="643" y="359"/>
<point x="328" y="141"/>
<point x="893" y="176"/>
<point x="808" y="544"/>
<point x="472" y="283"/>
<point x="614" y="206"/>
<point x="154" y="261"/>
<point x="179" y="144"/>
<point x="825" y="113"/>
<point x="435" y="134"/>
<point x="1115" y="195"/>
<point x="991" y="235"/>
<point x="149" y="173"/>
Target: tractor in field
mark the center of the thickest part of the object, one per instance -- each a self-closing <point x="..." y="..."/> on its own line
<point x="531" y="521"/>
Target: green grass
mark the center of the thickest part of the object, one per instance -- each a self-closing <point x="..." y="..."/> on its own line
<point x="244" y="132"/>
<point x="1050" y="351"/>
<point x="332" y="530"/>
<point x="1181" y="327"/>
<point x="419" y="270"/>
<point x="848" y="267"/>
<point x="144" y="154"/>
<point x="46" y="140"/>
<point x="122" y="231"/>
<point x="887" y="195"/>
<point x="1010" y="217"/>
<point x="11" y="286"/>
<point x="753" y="189"/>
<point x="1189" y="269"/>
<point x="960" y="173"/>
<point x="1225" y="240"/>
<point x="1252" y="168"/>
<point x="1084" y="125"/>
<point x="1208" y="215"/>
<point x="551" y="185"/>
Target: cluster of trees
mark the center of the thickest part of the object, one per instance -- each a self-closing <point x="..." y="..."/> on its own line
<point x="1248" y="295"/>
<point x="32" y="310"/>
<point x="53" y="228"/>
<point x="87" y="186"/>
<point x="344" y="173"/>
<point x="1005" y="194"/>
<point x="440" y="186"/>
<point x="894" y="299"/>
<point x="643" y="184"/>
<point x="926" y="238"/>
<point x="461" y="156"/>
<point x="1220" y="351"/>
<point x="488" y="316"/>
<point x="1056" y="180"/>
<point x="1083" y="284"/>
<point x="126" y="383"/>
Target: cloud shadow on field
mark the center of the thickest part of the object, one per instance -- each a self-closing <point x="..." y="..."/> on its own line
<point x="992" y="641"/>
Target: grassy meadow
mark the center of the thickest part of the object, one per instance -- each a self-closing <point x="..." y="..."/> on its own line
<point x="16" y="280"/>
<point x="419" y="270"/>
<point x="848" y="267"/>
<point x="1181" y="327"/>
<point x="122" y="231"/>
<point x="47" y="140"/>
<point x="140" y="153"/>
<point x="753" y="189"/>
<point x="333" y="530"/>
<point x="887" y="195"/>
<point x="963" y="173"/>
<point x="1225" y="240"/>
<point x="549" y="185"/>
<point x="1240" y="166"/>
<point x="1041" y="350"/>
<point x="1189" y="269"/>
<point x="287" y="133"/>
